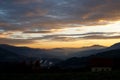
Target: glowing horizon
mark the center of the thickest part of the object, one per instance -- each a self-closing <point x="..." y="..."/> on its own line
<point x="82" y="42"/>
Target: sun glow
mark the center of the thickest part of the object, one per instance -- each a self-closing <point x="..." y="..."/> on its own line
<point x="113" y="27"/>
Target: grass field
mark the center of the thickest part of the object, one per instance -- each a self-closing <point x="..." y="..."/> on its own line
<point x="62" y="76"/>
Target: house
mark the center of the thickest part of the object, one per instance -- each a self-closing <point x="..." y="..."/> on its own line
<point x="101" y="64"/>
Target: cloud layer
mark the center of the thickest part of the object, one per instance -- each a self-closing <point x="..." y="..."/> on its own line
<point x="41" y="19"/>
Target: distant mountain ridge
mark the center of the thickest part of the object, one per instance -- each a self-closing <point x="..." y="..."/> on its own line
<point x="26" y="51"/>
<point x="87" y="51"/>
<point x="8" y="56"/>
<point x="115" y="46"/>
<point x="8" y="52"/>
<point x="62" y="53"/>
<point x="112" y="52"/>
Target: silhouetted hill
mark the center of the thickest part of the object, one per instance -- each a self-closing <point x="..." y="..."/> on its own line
<point x="8" y="56"/>
<point x="77" y="59"/>
<point x="95" y="50"/>
<point x="87" y="51"/>
<point x="94" y="47"/>
<point x="109" y="54"/>
<point x="25" y="51"/>
<point x="59" y="53"/>
<point x="115" y="46"/>
<point x="112" y="52"/>
<point x="15" y="54"/>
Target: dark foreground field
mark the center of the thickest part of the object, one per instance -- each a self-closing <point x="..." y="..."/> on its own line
<point x="115" y="75"/>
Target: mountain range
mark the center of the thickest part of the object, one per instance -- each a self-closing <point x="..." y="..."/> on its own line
<point x="65" y="55"/>
<point x="60" y="53"/>
<point x="112" y="52"/>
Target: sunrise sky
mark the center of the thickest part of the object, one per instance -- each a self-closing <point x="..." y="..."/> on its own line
<point x="59" y="23"/>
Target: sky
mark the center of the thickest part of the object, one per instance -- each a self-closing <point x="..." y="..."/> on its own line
<point x="59" y="23"/>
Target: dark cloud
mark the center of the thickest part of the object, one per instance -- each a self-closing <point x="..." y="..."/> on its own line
<point x="64" y="39"/>
<point x="26" y="1"/>
<point x="38" y="32"/>
<point x="25" y="15"/>
<point x="86" y="34"/>
<point x="21" y="39"/>
<point x="85" y="12"/>
<point x="75" y="37"/>
<point x="98" y="37"/>
<point x="41" y="31"/>
<point x="15" y="41"/>
<point x="101" y="37"/>
<point x="92" y="37"/>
